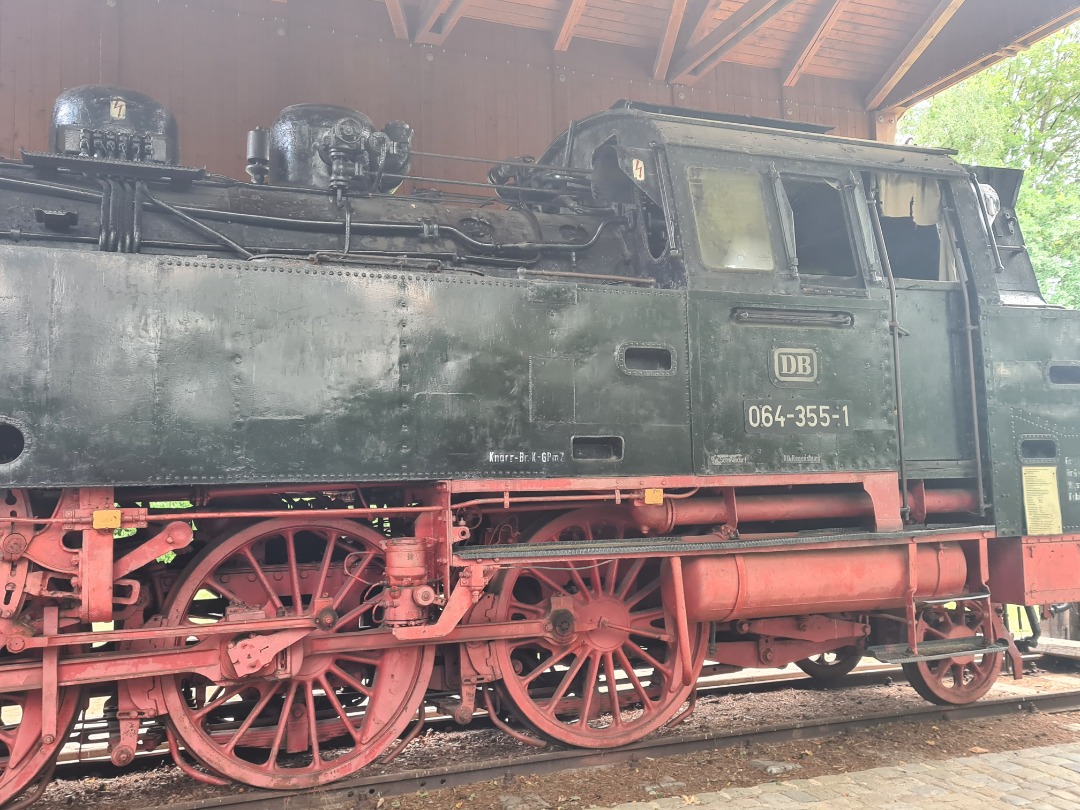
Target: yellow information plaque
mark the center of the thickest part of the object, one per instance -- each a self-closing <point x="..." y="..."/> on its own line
<point x="1042" y="500"/>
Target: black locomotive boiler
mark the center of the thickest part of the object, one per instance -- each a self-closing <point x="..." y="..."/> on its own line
<point x="287" y="462"/>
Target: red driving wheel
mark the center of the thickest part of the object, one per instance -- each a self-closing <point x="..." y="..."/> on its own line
<point x="615" y="673"/>
<point x="342" y="709"/>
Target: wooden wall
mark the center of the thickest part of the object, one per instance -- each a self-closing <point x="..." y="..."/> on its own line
<point x="226" y="66"/>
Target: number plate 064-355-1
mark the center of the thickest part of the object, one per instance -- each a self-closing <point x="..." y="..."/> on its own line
<point x="790" y="416"/>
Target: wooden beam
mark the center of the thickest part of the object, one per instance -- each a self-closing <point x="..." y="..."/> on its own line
<point x="816" y="34"/>
<point x="397" y="19"/>
<point x="937" y="20"/>
<point x="569" y="23"/>
<point x="744" y="22"/>
<point x="705" y="18"/>
<point x="671" y="36"/>
<point x="978" y="41"/>
<point x="435" y="26"/>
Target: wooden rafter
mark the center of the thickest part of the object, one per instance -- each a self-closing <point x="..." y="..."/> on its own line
<point x="671" y="36"/>
<point x="817" y="33"/>
<point x="705" y="18"/>
<point x="397" y="18"/>
<point x="744" y="22"/>
<point x="912" y="51"/>
<point x="902" y="98"/>
<point x="569" y="23"/>
<point x="438" y="19"/>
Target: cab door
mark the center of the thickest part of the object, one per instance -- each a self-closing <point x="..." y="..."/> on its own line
<point x="789" y="345"/>
<point x="919" y="242"/>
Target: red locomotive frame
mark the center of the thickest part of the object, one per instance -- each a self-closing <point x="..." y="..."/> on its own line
<point x="606" y="645"/>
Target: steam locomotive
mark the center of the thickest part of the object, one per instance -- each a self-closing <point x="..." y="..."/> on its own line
<point x="291" y="463"/>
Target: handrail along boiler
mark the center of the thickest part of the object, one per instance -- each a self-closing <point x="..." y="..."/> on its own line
<point x="288" y="463"/>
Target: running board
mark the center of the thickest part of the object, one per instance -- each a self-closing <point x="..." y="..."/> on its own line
<point x="936" y="650"/>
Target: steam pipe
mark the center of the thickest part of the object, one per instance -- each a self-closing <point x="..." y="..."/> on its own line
<point x="663" y="518"/>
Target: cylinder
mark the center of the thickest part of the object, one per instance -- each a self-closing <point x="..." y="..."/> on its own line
<point x="258" y="146"/>
<point x="787" y="583"/>
<point x="406" y="562"/>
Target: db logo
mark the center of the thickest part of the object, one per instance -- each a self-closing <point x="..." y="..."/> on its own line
<point x="795" y="365"/>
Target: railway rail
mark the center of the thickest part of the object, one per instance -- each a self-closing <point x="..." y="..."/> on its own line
<point x="346" y="794"/>
<point x="81" y="757"/>
<point x="77" y="764"/>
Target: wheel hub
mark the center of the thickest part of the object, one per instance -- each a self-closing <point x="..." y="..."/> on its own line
<point x="611" y="620"/>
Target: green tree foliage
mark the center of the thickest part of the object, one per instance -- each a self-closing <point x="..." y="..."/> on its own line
<point x="1023" y="113"/>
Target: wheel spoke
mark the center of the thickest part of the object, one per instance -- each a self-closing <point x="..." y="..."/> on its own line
<point x="612" y="578"/>
<point x="545" y="579"/>
<point x="664" y="668"/>
<point x="294" y="572"/>
<point x="261" y="575"/>
<point x="583" y="589"/>
<point x="544" y="666"/>
<point x="631" y="675"/>
<point x="324" y="566"/>
<point x="224" y="697"/>
<point x="354" y="577"/>
<point x="331" y="695"/>
<point x="613" y="689"/>
<point x="629" y="578"/>
<point x="253" y="715"/>
<point x="647" y="617"/>
<point x="283" y="722"/>
<point x="517" y="606"/>
<point x="222" y="591"/>
<point x="564" y="684"/>
<point x="349" y="680"/>
<point x="591" y="688"/>
<point x="645" y="592"/>
<point x="313" y="727"/>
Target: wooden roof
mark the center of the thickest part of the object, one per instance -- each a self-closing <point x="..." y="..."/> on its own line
<point x="900" y="51"/>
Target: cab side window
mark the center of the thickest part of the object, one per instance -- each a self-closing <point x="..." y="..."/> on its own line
<point x="732" y="224"/>
<point x="815" y="216"/>
<point x="918" y="235"/>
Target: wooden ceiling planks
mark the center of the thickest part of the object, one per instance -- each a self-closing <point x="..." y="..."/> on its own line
<point x="927" y="31"/>
<point x="854" y="39"/>
<point x="816" y="34"/>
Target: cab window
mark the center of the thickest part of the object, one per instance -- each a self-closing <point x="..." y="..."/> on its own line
<point x="815" y="215"/>
<point x="918" y="235"/>
<point x="732" y="225"/>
